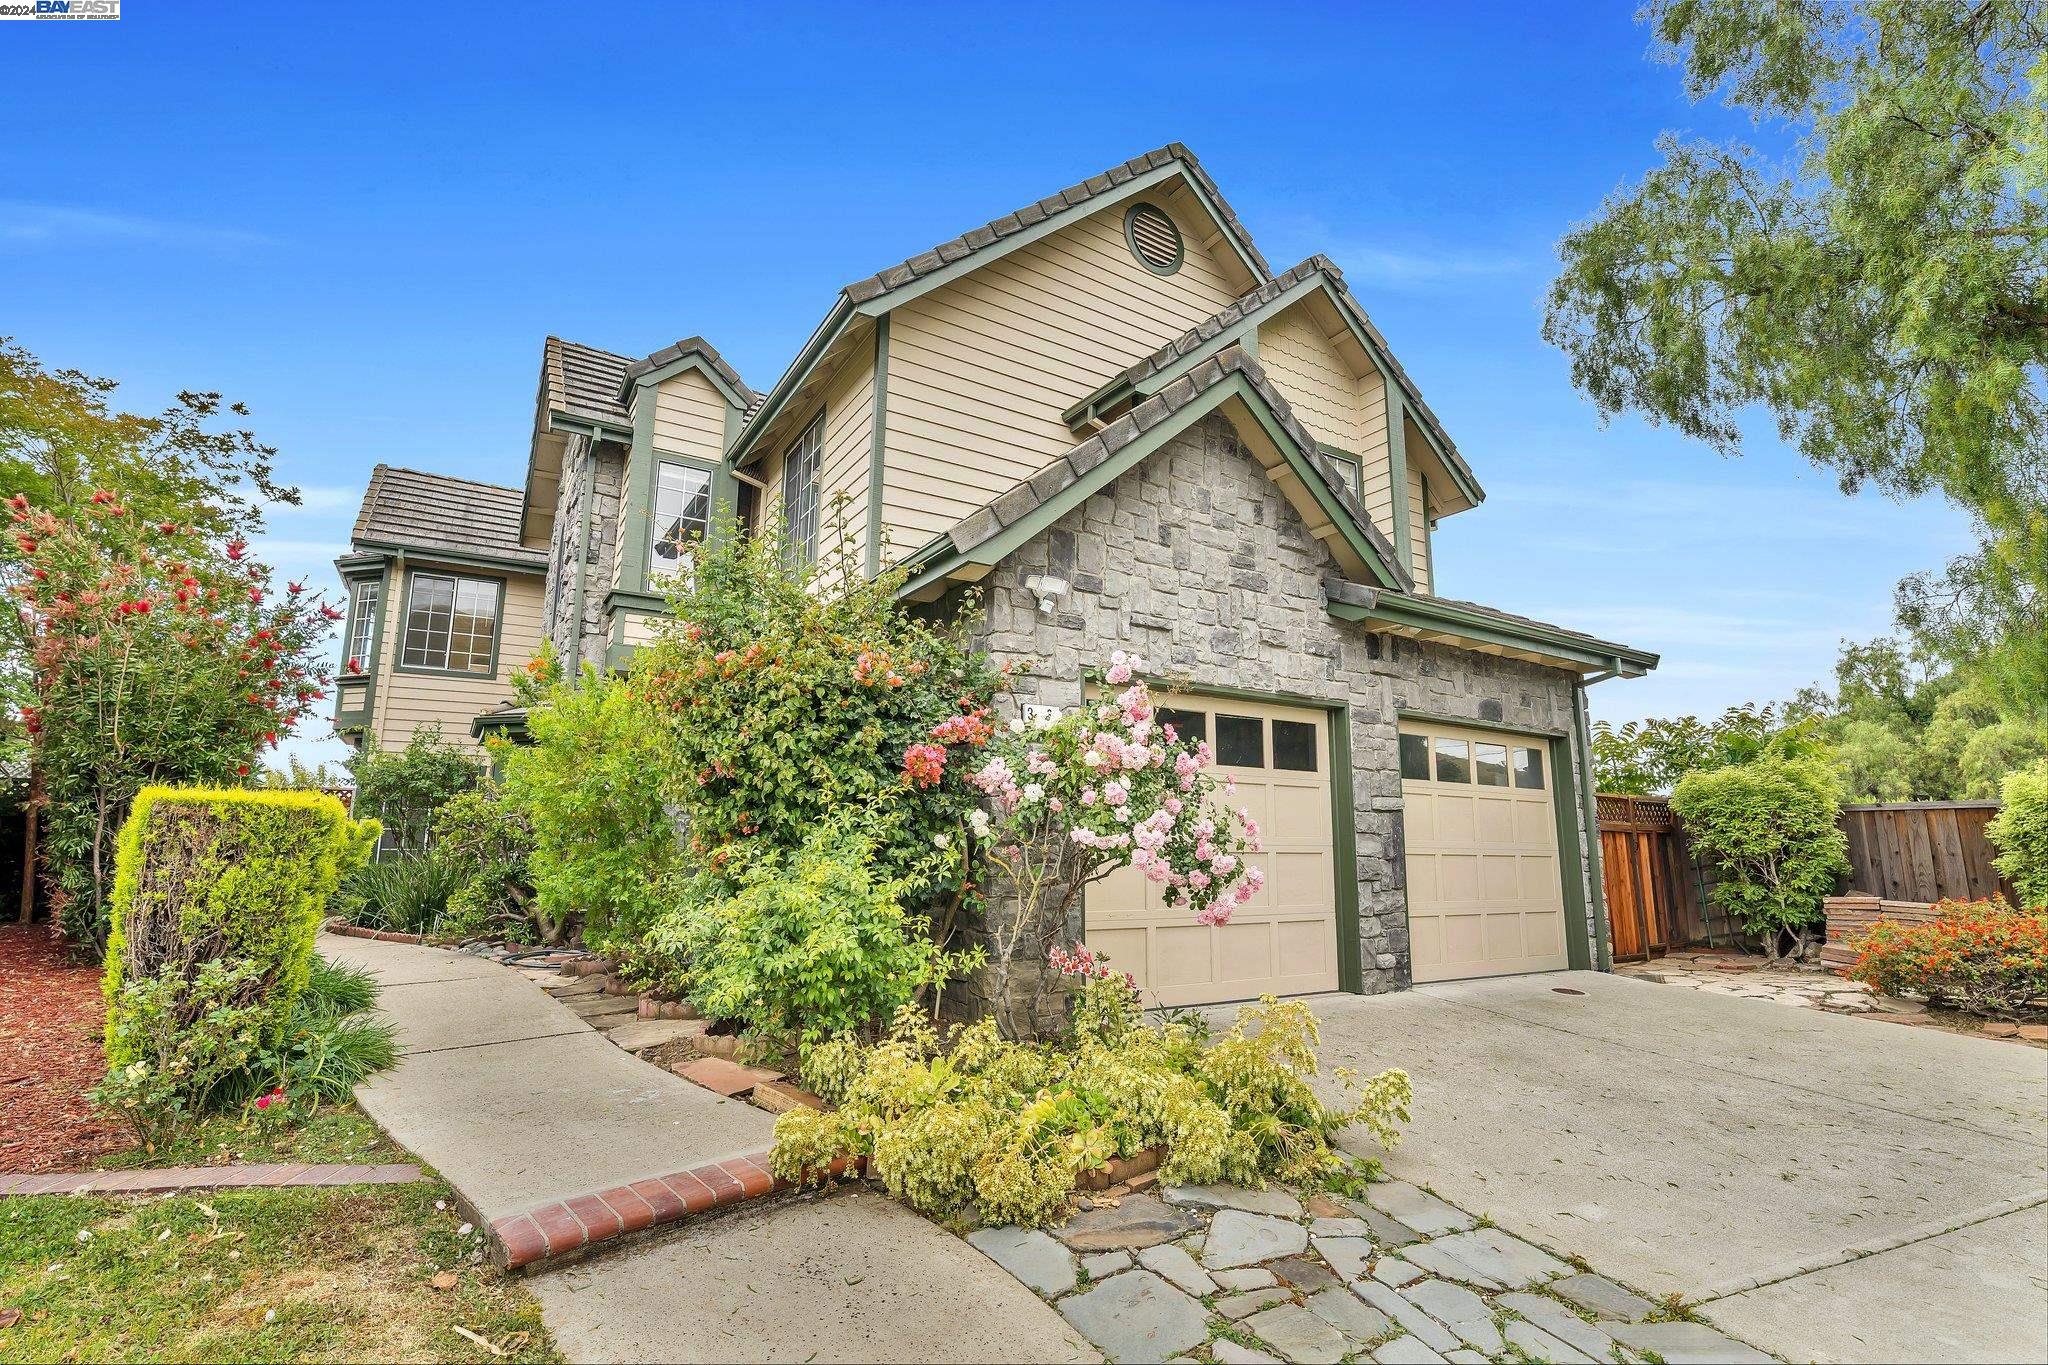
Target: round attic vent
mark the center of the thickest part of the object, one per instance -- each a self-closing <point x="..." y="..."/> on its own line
<point x="1154" y="240"/>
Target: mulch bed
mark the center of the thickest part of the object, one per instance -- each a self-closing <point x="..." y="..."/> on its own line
<point x="51" y="1013"/>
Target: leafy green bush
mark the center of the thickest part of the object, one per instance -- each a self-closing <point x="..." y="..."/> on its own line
<point x="592" y="785"/>
<point x="486" y="836"/>
<point x="1979" y="956"/>
<point x="176" y="1039"/>
<point x="1008" y="1126"/>
<point x="403" y="790"/>
<point x="408" y="895"/>
<point x="235" y="877"/>
<point x="2020" y="833"/>
<point x="1769" y="829"/>
<point x="809" y="943"/>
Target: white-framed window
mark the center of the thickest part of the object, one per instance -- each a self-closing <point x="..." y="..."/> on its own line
<point x="451" y="623"/>
<point x="1354" y="474"/>
<point x="800" y="490"/>
<point x="682" y="517"/>
<point x="364" y="594"/>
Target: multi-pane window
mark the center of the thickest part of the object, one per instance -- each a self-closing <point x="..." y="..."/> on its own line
<point x="451" y="623"/>
<point x="362" y="624"/>
<point x="800" y="490"/>
<point x="1348" y="465"/>
<point x="682" y="514"/>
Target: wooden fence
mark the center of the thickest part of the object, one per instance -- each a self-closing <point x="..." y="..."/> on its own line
<point x="1923" y="851"/>
<point x="1658" y="892"/>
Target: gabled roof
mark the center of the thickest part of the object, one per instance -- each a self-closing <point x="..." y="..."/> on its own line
<point x="990" y="533"/>
<point x="878" y="293"/>
<point x="1216" y="331"/>
<point x="1053" y="205"/>
<point x="688" y="346"/>
<point x="1425" y="616"/>
<point x="407" y="509"/>
<point x="584" y="383"/>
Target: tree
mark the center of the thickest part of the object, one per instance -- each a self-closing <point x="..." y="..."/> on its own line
<point x="1643" y="757"/>
<point x="1882" y="292"/>
<point x="405" y="788"/>
<point x="1769" y="828"/>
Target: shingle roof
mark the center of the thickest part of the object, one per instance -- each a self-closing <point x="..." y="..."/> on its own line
<point x="416" y="510"/>
<point x="687" y="346"/>
<point x="582" y="381"/>
<point x="947" y="252"/>
<point x="1016" y="504"/>
<point x="1259" y="299"/>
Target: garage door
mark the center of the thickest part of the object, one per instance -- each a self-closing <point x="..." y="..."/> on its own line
<point x="1484" y="894"/>
<point x="1283" y="940"/>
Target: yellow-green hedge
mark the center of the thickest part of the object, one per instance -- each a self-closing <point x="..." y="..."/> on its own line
<point x="204" y="874"/>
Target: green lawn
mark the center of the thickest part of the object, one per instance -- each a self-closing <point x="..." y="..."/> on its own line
<point x="259" y="1274"/>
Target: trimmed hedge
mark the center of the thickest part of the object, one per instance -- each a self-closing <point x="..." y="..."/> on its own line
<point x="231" y="876"/>
<point x="2020" y="833"/>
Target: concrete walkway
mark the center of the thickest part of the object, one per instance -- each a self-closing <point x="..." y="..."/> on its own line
<point x="519" y="1102"/>
<point x="1826" y="1187"/>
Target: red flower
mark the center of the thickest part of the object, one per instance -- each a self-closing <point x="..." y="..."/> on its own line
<point x="237" y="548"/>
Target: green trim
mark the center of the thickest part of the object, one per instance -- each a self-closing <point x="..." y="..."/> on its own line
<point x="1033" y="524"/>
<point x="364" y="717"/>
<point x="1180" y="242"/>
<point x="692" y="361"/>
<point x="398" y="664"/>
<point x="1428" y="539"/>
<point x="584" y="500"/>
<point x="1579" y="954"/>
<point x="636" y="502"/>
<point x="1421" y="717"/>
<point x="1344" y="800"/>
<point x="1355" y="463"/>
<point x="619" y="598"/>
<point x="792" y="379"/>
<point x="1397" y="470"/>
<point x="465" y="558"/>
<point x="512" y="727"/>
<point x="1435" y="615"/>
<point x="596" y="428"/>
<point x="1596" y="870"/>
<point x="879" y="445"/>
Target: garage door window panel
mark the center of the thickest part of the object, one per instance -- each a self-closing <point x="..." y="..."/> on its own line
<point x="1294" y="746"/>
<point x="1190" y="727"/>
<point x="1453" y="760"/>
<point x="1529" y="769"/>
<point x="1490" y="764"/>
<point x="1240" y="741"/>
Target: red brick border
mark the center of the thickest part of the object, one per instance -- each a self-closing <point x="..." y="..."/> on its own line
<point x="271" y="1176"/>
<point x="572" y="1225"/>
<point x="381" y="935"/>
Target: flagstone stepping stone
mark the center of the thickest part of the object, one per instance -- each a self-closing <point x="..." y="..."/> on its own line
<point x="1537" y="1344"/>
<point x="1392" y="1270"/>
<point x="1416" y="1209"/>
<point x="1239" y="1238"/>
<point x="1137" y="1316"/>
<point x="1459" y="1309"/>
<point x="1434" y="1334"/>
<point x="1298" y="1335"/>
<point x="1273" y="1201"/>
<point x="1465" y="1355"/>
<point x="1238" y="1281"/>
<point x="637" y="1035"/>
<point x="723" y="1077"/>
<point x="1034" y="1258"/>
<point x="1348" y="1256"/>
<point x="1224" y="1349"/>
<point x="582" y="985"/>
<point x="1604" y="1298"/>
<point x="1406" y="1351"/>
<point x="1304" y="1274"/>
<point x="1560" y="1322"/>
<point x="1359" y="1322"/>
<point x="1490" y="1258"/>
<point x="1104" y="1264"/>
<point x="1244" y="1305"/>
<point x="1386" y="1231"/>
<point x="595" y="1007"/>
<point x="1137" y="1221"/>
<point x="1681" y="1343"/>
<point x="1339" y="1227"/>
<point x="1179" y="1267"/>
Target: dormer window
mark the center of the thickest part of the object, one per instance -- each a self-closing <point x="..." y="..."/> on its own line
<point x="800" y="491"/>
<point x="682" y="517"/>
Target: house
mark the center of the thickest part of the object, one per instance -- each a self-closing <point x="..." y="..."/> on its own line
<point x="1112" y="416"/>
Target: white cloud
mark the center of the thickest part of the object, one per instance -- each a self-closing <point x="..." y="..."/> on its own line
<point x="24" y="223"/>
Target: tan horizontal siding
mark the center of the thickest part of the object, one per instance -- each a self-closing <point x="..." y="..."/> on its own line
<point x="1418" y="530"/>
<point x="407" y="702"/>
<point x="981" y="369"/>
<point x="689" y="417"/>
<point x="848" y="447"/>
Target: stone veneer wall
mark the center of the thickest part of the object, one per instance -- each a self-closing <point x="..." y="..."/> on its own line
<point x="1196" y="560"/>
<point x="575" y="646"/>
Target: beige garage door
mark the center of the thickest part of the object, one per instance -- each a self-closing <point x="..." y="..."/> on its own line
<point x="1484" y="895"/>
<point x="1283" y="940"/>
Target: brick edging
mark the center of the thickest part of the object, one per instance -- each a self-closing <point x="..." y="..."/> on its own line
<point x="568" y="1226"/>
<point x="381" y="935"/>
<point x="272" y="1175"/>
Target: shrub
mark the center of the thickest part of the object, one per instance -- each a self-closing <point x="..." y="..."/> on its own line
<point x="486" y="836"/>
<point x="175" y="1039"/>
<point x="809" y="943"/>
<point x="1979" y="956"/>
<point x="239" y="878"/>
<point x="404" y="790"/>
<point x="1009" y="1126"/>
<point x="409" y="895"/>
<point x="1769" y="829"/>
<point x="2020" y="833"/>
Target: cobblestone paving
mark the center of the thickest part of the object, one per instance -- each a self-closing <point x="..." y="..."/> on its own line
<point x="1721" y="973"/>
<point x="1222" y="1274"/>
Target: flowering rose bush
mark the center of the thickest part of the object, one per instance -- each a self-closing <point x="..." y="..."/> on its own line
<point x="1979" y="956"/>
<point x="154" y="656"/>
<point x="1104" y="786"/>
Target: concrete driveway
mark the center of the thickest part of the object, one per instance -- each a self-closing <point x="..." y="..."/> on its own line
<point x="1830" y="1188"/>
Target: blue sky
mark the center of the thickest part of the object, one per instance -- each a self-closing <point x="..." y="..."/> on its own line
<point x="361" y="222"/>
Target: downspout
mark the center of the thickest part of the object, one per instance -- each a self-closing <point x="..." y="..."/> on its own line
<point x="583" y="547"/>
<point x="1582" y="730"/>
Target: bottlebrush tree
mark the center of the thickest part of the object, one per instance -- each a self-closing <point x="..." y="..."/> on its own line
<point x="152" y="656"/>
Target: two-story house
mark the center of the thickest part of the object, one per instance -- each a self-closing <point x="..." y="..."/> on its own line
<point x="1108" y="412"/>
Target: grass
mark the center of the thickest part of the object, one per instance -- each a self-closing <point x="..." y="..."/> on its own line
<point x="333" y="1134"/>
<point x="244" y="1275"/>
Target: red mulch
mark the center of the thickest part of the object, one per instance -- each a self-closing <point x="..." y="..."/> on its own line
<point x="51" y="1013"/>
